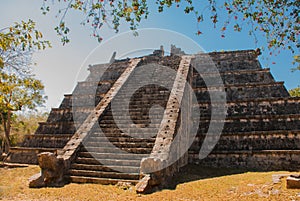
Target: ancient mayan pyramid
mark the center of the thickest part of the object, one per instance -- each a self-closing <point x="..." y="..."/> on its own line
<point x="261" y="129"/>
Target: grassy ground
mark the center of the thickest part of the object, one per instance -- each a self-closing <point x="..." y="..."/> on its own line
<point x="193" y="183"/>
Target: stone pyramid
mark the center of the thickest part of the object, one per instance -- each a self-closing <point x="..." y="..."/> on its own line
<point x="119" y="126"/>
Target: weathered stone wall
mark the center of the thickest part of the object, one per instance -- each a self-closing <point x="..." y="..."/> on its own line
<point x="258" y="140"/>
<point x="252" y="160"/>
<point x="254" y="107"/>
<point x="235" y="60"/>
<point x="62" y="127"/>
<point x="240" y="92"/>
<point x="262" y="126"/>
<point x="27" y="155"/>
<point x="235" y="77"/>
<point x="255" y="123"/>
<point x="268" y="106"/>
<point x="46" y="141"/>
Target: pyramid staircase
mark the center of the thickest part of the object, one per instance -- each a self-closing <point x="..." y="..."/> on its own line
<point x="111" y="131"/>
<point x="113" y="151"/>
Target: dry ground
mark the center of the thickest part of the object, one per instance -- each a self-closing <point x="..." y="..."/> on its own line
<point x="193" y="183"/>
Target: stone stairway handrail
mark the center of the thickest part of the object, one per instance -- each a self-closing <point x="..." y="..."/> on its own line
<point x="153" y="168"/>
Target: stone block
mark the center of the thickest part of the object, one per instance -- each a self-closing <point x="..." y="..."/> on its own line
<point x="143" y="185"/>
<point x="52" y="171"/>
<point x="293" y="182"/>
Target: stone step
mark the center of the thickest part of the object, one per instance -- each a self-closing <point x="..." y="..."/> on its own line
<point x="117" y="66"/>
<point x="134" y="129"/>
<point x="128" y="132"/>
<point x="122" y="94"/>
<point x="240" y="72"/>
<point x="49" y="135"/>
<point x="60" y="114"/>
<point x="96" y="82"/>
<point x="111" y="168"/>
<point x="112" y="150"/>
<point x="46" y="140"/>
<point x="266" y="151"/>
<point x="140" y="105"/>
<point x="110" y="156"/>
<point x="93" y="86"/>
<point x="64" y="127"/>
<point x="122" y="139"/>
<point x="236" y="92"/>
<point x="235" y="61"/>
<point x="248" y="125"/>
<point x="108" y="162"/>
<point x="267" y="160"/>
<point x="135" y="111"/>
<point x="129" y="121"/>
<point x="130" y="135"/>
<point x="103" y="181"/>
<point x="276" y="140"/>
<point x="100" y="174"/>
<point x="91" y="92"/>
<point x="109" y="74"/>
<point x="256" y="118"/>
<point x="135" y="103"/>
<point x="91" y="143"/>
<point x="269" y="132"/>
<point x="270" y="100"/>
<point x="131" y="93"/>
<point x="87" y="100"/>
<point x="124" y="125"/>
<point x="273" y="106"/>
<point x="235" y="77"/>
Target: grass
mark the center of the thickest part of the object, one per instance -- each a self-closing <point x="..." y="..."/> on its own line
<point x="193" y="183"/>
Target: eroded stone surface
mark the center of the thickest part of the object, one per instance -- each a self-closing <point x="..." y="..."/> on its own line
<point x="52" y="171"/>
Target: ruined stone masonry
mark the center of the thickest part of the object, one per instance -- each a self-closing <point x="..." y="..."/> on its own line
<point x="261" y="129"/>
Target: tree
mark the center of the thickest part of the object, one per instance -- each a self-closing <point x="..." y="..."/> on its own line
<point x="17" y="43"/>
<point x="15" y="94"/>
<point x="295" y="92"/>
<point x="18" y="87"/>
<point x="22" y="124"/>
<point x="279" y="21"/>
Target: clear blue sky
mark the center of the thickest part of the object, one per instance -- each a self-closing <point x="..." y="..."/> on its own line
<point x="58" y="67"/>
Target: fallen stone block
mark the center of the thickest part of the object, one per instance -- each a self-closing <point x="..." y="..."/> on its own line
<point x="293" y="182"/>
<point x="143" y="184"/>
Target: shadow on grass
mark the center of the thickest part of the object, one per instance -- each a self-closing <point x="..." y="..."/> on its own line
<point x="193" y="172"/>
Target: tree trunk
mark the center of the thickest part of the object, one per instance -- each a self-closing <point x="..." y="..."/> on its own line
<point x="6" y="126"/>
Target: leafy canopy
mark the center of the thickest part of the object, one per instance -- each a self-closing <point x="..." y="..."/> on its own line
<point x="295" y="92"/>
<point x="278" y="20"/>
<point x="16" y="92"/>
<point x="18" y="41"/>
